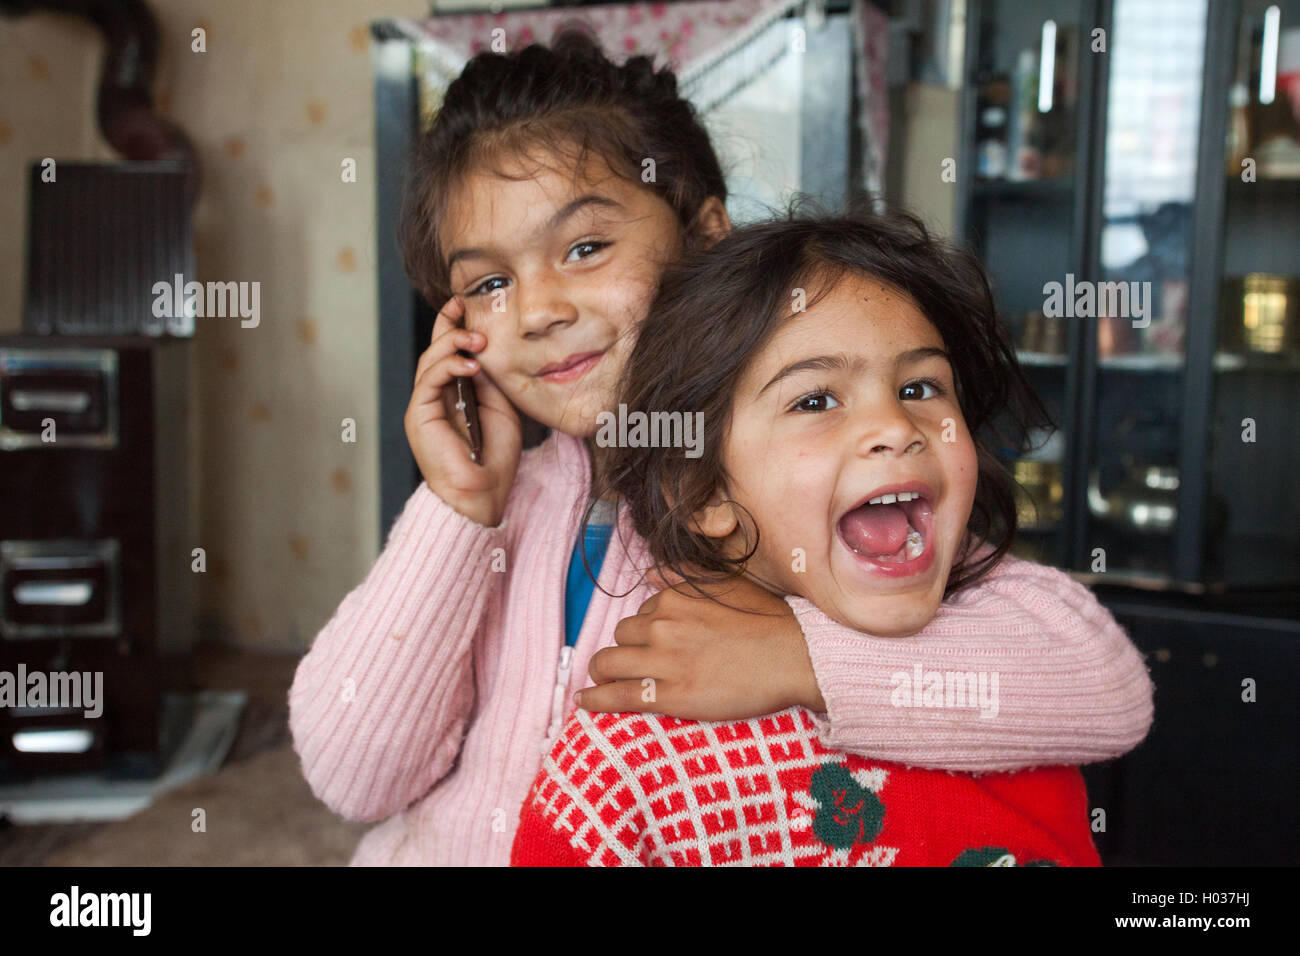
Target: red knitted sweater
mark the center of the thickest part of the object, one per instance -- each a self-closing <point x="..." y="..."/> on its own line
<point x="644" y="789"/>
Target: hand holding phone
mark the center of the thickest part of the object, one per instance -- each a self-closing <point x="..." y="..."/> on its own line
<point x="464" y="433"/>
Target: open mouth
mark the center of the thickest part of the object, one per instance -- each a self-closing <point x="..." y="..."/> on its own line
<point x="893" y="530"/>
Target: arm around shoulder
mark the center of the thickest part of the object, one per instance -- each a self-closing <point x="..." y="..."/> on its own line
<point x="1087" y="647"/>
<point x="1061" y="681"/>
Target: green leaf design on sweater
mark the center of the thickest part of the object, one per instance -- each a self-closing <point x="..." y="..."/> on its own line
<point x="847" y="813"/>
<point x="993" y="856"/>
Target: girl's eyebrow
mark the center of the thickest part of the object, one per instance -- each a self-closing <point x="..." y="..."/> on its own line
<point x="917" y="355"/>
<point x="855" y="363"/>
<point x="582" y="202"/>
<point x="561" y="216"/>
<point x="819" y="362"/>
<point x="465" y="254"/>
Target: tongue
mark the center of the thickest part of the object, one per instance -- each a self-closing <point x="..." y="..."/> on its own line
<point x="875" y="529"/>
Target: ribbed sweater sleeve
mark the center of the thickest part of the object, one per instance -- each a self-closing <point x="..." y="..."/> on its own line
<point x="1071" y="687"/>
<point x="379" y="704"/>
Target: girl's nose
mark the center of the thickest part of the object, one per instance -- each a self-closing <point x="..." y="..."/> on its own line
<point x="887" y="429"/>
<point x="543" y="308"/>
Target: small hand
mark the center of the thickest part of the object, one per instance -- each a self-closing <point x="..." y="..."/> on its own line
<point x="436" y="433"/>
<point x="690" y="657"/>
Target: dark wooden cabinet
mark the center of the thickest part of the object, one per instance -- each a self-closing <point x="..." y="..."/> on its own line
<point x="1214" y="783"/>
<point x="96" y="534"/>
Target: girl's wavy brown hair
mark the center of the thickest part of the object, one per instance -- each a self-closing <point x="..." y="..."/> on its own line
<point x="565" y="102"/>
<point x="717" y="308"/>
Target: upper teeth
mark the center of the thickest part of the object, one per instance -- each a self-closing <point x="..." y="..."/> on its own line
<point x="890" y="499"/>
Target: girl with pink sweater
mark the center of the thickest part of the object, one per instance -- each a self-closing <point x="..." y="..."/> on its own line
<point x="430" y="697"/>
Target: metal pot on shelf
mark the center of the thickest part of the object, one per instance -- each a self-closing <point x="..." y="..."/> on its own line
<point x="1145" y="501"/>
<point x="1261" y="314"/>
<point x="1040" y="488"/>
<point x="1041" y="494"/>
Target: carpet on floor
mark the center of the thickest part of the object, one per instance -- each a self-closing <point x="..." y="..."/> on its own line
<point x="258" y="812"/>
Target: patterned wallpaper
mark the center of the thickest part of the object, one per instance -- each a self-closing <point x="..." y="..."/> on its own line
<point x="288" y="511"/>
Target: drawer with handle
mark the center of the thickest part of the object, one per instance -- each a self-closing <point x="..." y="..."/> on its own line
<point x="59" y="588"/>
<point x="39" y="740"/>
<point x="65" y="398"/>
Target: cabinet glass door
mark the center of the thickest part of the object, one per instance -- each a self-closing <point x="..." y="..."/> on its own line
<point x="1024" y="217"/>
<point x="1138" y="306"/>
<point x="1252" y="528"/>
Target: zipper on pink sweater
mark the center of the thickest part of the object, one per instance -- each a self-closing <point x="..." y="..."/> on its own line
<point x="558" y="696"/>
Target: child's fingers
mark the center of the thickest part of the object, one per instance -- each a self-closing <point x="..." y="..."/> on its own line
<point x="448" y="336"/>
<point x="426" y="397"/>
<point x="449" y="316"/>
<point x="446" y="345"/>
<point x="448" y="319"/>
<point x="634" y="631"/>
<point x="620" y="697"/>
<point x="624" y="663"/>
<point x="441" y="348"/>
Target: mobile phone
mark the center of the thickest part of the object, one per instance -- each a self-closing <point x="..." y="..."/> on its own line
<point x="467" y="404"/>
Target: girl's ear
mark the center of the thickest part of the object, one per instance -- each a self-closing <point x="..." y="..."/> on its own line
<point x="712" y="221"/>
<point x="717" y="519"/>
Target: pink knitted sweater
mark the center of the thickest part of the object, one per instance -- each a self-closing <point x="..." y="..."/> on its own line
<point x="430" y="697"/>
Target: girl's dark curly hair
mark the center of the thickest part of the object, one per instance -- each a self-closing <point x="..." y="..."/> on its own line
<point x="568" y="98"/>
<point x="717" y="308"/>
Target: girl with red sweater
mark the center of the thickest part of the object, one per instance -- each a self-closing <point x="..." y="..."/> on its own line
<point x="847" y="380"/>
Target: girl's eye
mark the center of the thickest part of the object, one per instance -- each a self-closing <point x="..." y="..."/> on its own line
<point x="585" y="249"/>
<point x="815" y="402"/>
<point x="486" y="287"/>
<point x="915" y="390"/>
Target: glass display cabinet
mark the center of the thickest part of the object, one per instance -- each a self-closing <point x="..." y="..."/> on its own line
<point x="1135" y="195"/>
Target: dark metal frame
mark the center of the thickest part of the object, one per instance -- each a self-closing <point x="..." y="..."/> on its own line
<point x="1081" y="393"/>
<point x="396" y="121"/>
<point x="1206" y="266"/>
